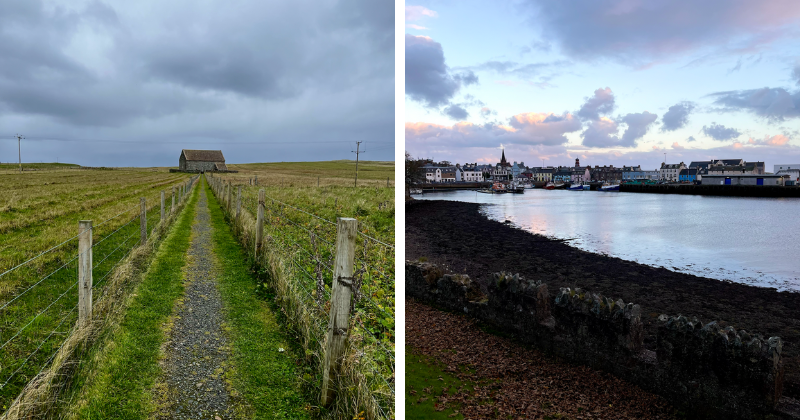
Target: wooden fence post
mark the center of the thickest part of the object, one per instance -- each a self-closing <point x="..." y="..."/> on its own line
<point x="256" y="180"/>
<point x="162" y="205"/>
<point x="84" y="272"/>
<point x="143" y="221"/>
<point x="260" y="222"/>
<point x="230" y="192"/>
<point x="172" y="209"/>
<point x="339" y="319"/>
<point x="238" y="202"/>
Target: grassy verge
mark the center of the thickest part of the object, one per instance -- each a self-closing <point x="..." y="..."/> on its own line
<point x="123" y="372"/>
<point x="425" y="381"/>
<point x="266" y="377"/>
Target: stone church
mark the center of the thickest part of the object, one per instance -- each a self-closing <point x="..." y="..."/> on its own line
<point x="202" y="160"/>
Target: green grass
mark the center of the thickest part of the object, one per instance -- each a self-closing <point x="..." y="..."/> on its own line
<point x="268" y="379"/>
<point x="426" y="378"/>
<point x="126" y="369"/>
<point x="37" y="166"/>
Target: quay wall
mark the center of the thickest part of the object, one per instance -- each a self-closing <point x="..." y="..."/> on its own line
<point x="719" y="190"/>
<point x="702" y="369"/>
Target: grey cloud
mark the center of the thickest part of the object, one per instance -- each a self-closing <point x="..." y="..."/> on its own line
<point x="638" y="124"/>
<point x="257" y="71"/>
<point x="601" y="133"/>
<point x="635" y="32"/>
<point x="720" y="132"/>
<point x="601" y="103"/>
<point x="690" y="138"/>
<point x="456" y="112"/>
<point x="467" y="78"/>
<point x="796" y="73"/>
<point x="774" y="104"/>
<point x="428" y="79"/>
<point x="677" y="116"/>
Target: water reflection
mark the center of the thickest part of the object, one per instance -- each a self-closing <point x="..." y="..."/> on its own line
<point x="747" y="240"/>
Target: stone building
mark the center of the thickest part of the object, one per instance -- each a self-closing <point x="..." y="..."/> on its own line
<point x="202" y="160"/>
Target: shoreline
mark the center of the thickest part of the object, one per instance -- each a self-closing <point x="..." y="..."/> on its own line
<point x="456" y="235"/>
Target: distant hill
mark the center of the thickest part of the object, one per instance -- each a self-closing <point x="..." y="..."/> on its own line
<point x="37" y="166"/>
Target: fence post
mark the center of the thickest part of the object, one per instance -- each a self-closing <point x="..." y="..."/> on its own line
<point x="172" y="209"/>
<point x="143" y="221"/>
<point x="260" y="222"/>
<point x="84" y="272"/>
<point x="339" y="319"/>
<point x="238" y="202"/>
<point x="256" y="180"/>
<point x="162" y="205"/>
<point x="230" y="203"/>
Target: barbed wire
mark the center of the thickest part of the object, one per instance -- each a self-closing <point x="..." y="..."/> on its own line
<point x="39" y="347"/>
<point x="43" y="279"/>
<point x="37" y="315"/>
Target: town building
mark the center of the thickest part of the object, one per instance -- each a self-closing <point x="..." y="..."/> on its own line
<point x="744" y="179"/>
<point x="201" y="161"/>
<point x="785" y="166"/>
<point x="606" y="174"/>
<point x="688" y="175"/>
<point x="470" y="172"/>
<point x="671" y="171"/>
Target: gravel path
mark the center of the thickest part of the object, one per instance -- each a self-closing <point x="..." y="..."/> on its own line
<point x="197" y="349"/>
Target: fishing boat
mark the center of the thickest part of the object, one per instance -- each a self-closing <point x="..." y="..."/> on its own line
<point x="550" y="186"/>
<point x="607" y="187"/>
<point x="560" y="186"/>
<point x="587" y="187"/>
<point x="516" y="188"/>
<point x="576" y="187"/>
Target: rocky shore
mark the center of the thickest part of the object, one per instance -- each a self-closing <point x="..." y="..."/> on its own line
<point x="455" y="235"/>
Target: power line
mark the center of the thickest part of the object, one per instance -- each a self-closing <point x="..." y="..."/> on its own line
<point x="357" y="152"/>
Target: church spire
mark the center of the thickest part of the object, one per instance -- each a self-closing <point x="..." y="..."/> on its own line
<point x="503" y="159"/>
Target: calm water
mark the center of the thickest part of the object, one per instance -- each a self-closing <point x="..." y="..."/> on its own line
<point x="748" y="240"/>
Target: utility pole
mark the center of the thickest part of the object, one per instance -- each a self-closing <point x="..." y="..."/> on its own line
<point x="357" y="152"/>
<point x="19" y="150"/>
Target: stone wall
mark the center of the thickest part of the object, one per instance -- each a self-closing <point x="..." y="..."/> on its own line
<point x="702" y="369"/>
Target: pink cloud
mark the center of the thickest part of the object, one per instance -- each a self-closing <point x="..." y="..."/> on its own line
<point x="417" y="27"/>
<point x="418" y="12"/>
<point x="675" y="145"/>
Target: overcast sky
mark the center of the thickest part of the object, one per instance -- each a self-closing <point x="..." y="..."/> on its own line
<point x="131" y="83"/>
<point x="607" y="81"/>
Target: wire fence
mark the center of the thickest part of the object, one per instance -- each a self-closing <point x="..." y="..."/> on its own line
<point x="37" y="318"/>
<point x="307" y="242"/>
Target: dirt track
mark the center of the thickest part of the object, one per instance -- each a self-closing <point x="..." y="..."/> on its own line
<point x="457" y="236"/>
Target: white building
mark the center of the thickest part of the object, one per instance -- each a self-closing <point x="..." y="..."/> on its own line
<point x="785" y="166"/>
<point x="670" y="171"/>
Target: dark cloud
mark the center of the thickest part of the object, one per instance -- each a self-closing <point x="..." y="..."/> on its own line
<point x="677" y="116"/>
<point x="796" y="73"/>
<point x="636" y="32"/>
<point x="456" y="112"/>
<point x="428" y="79"/>
<point x="638" y="124"/>
<point x="601" y="103"/>
<point x="774" y="104"/>
<point x="603" y="132"/>
<point x="690" y="138"/>
<point x="720" y="132"/>
<point x="197" y="72"/>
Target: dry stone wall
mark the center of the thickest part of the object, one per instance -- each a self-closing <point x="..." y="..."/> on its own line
<point x="702" y="369"/>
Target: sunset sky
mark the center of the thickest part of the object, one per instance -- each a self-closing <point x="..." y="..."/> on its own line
<point x="610" y="82"/>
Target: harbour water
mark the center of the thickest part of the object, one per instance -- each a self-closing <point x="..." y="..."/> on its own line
<point x="754" y="241"/>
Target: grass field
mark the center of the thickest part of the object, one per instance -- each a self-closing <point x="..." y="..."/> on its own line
<point x="40" y="210"/>
<point x="300" y="227"/>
